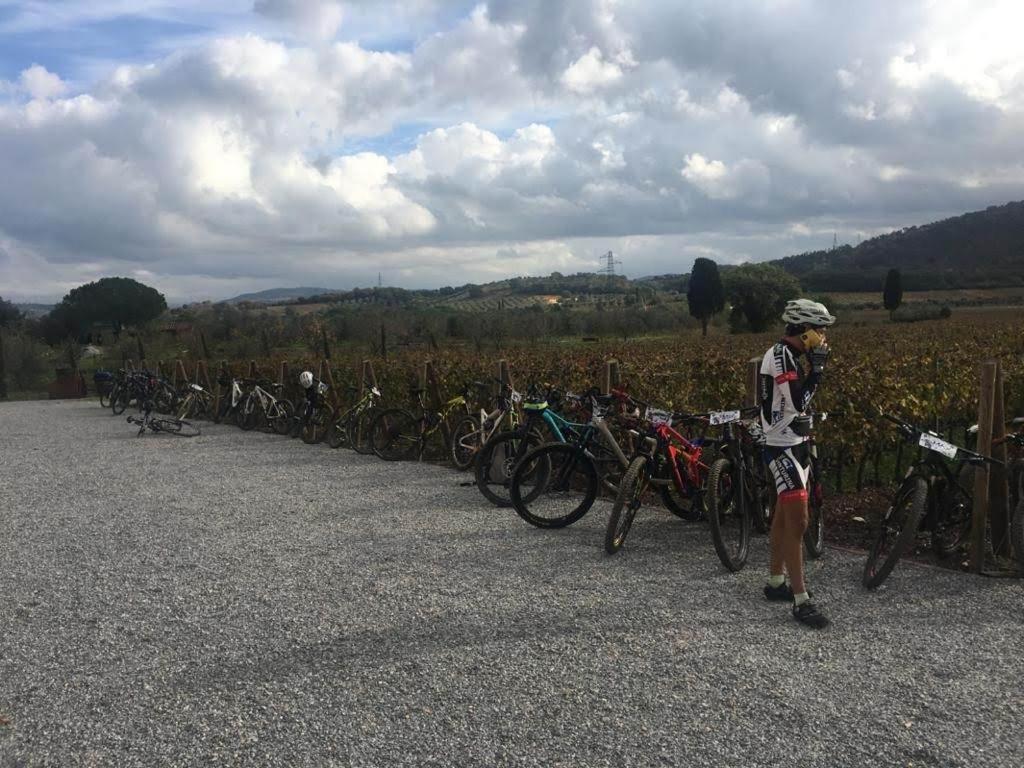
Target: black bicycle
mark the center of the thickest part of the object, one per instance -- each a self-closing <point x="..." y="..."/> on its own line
<point x="935" y="496"/>
<point x="739" y="494"/>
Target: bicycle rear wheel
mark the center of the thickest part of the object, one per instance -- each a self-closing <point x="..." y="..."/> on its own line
<point x="952" y="524"/>
<point x="554" y="486"/>
<point x="730" y="525"/>
<point x="496" y="462"/>
<point x="627" y="502"/>
<point x="338" y="434"/>
<point x="176" y="427"/>
<point x="814" y="536"/>
<point x="896" y="530"/>
<point x="395" y="435"/>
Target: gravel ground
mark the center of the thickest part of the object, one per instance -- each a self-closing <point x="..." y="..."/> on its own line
<point x="244" y="599"/>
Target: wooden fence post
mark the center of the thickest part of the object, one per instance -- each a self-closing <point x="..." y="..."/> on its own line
<point x="504" y="375"/>
<point x="328" y="376"/>
<point x="179" y="370"/>
<point x="203" y="375"/>
<point x="253" y="373"/>
<point x="611" y="377"/>
<point x="751" y="382"/>
<point x="986" y="397"/>
<point x="434" y="391"/>
<point x="282" y="376"/>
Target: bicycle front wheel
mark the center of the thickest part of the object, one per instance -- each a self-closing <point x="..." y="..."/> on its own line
<point x="730" y="525"/>
<point x="465" y="442"/>
<point x="315" y="429"/>
<point x="395" y="435"/>
<point x="627" y="502"/>
<point x="897" y="531"/>
<point x="554" y="486"/>
<point x="496" y="461"/>
<point x="283" y="416"/>
<point x="119" y="400"/>
<point x="360" y="432"/>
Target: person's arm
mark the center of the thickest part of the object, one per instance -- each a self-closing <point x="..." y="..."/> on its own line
<point x="799" y="395"/>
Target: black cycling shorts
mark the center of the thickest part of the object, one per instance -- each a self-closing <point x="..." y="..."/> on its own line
<point x="790" y="468"/>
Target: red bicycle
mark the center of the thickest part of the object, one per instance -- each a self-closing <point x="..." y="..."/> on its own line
<point x="669" y="461"/>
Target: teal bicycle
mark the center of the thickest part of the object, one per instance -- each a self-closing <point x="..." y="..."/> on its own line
<point x="503" y="451"/>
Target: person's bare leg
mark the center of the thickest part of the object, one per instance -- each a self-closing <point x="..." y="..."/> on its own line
<point x="777" y="538"/>
<point x="793" y="507"/>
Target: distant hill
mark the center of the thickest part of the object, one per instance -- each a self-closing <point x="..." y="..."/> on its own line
<point x="984" y="249"/>
<point x="272" y="295"/>
<point x="34" y="310"/>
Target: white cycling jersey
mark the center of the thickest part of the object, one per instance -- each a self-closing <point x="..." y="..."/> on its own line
<point x="785" y="393"/>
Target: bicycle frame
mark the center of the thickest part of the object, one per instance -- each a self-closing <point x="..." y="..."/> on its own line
<point x="677" y="446"/>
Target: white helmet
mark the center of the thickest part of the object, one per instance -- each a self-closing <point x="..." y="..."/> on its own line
<point x="807" y="312"/>
<point x="306" y="379"/>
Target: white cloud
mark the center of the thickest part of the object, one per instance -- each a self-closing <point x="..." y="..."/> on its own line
<point x="323" y="139"/>
<point x="39" y="83"/>
<point x="591" y="72"/>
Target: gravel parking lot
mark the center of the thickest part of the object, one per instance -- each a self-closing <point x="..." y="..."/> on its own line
<point x="245" y="599"/>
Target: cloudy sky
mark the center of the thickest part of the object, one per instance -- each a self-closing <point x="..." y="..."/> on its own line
<point x="209" y="148"/>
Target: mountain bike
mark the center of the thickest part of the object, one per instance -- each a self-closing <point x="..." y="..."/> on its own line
<point x="739" y="491"/>
<point x="398" y="434"/>
<point x="472" y="432"/>
<point x="932" y="497"/>
<point x="259" y="408"/>
<point x="555" y="485"/>
<point x="314" y="415"/>
<point x="137" y="386"/>
<point x="352" y="428"/>
<point x="195" y="403"/>
<point x="230" y="401"/>
<point x="176" y="427"/>
<point x="671" y="462"/>
<point x="502" y="452"/>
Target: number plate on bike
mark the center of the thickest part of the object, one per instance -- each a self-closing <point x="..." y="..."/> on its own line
<point x="657" y="417"/>
<point x="933" y="443"/>
<point x="723" y="417"/>
<point x="516" y="397"/>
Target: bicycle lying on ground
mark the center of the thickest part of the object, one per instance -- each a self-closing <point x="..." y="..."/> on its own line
<point x="176" y="427"/>
<point x="932" y="497"/>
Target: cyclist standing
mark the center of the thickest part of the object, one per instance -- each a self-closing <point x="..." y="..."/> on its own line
<point x="785" y="392"/>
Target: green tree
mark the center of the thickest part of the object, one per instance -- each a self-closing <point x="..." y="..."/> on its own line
<point x="119" y="301"/>
<point x="705" y="295"/>
<point x="10" y="315"/>
<point x="892" y="293"/>
<point x="758" y="293"/>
